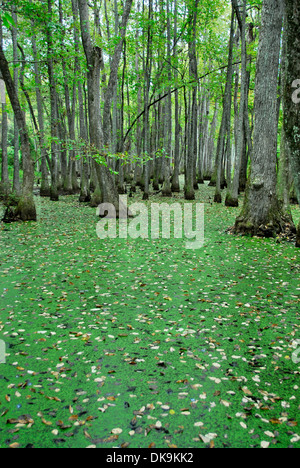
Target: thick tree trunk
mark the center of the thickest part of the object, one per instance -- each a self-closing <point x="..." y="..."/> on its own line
<point x="291" y="93"/>
<point x="26" y="207"/>
<point x="262" y="212"/>
<point x="109" y="193"/>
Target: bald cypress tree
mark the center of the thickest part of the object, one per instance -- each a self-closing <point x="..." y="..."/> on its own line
<point x="262" y="212"/>
<point x="291" y="93"/>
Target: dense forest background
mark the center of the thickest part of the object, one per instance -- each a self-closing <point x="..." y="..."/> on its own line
<point x="109" y="96"/>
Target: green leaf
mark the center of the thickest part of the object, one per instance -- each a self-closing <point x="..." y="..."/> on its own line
<point x="7" y="19"/>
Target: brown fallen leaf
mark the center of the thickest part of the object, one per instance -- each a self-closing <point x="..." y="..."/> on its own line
<point x="275" y="421"/>
<point x="111" y="438"/>
<point x="48" y="423"/>
<point x="74" y="417"/>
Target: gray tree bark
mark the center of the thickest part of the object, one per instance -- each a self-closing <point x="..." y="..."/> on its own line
<point x="4" y="186"/>
<point x="45" y="188"/>
<point x="226" y="115"/>
<point x="16" y="177"/>
<point x="53" y="104"/>
<point x="232" y="194"/>
<point x="26" y="210"/>
<point x="189" y="191"/>
<point x="109" y="193"/>
<point x="291" y="93"/>
<point x="262" y="212"/>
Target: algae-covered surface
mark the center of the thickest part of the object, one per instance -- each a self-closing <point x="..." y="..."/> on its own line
<point x="143" y="343"/>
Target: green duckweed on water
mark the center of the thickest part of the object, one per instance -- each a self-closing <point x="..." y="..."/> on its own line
<point x="143" y="343"/>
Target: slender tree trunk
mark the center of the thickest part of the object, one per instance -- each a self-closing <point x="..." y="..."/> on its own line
<point x="226" y="115"/>
<point x="53" y="105"/>
<point x="84" y="196"/>
<point x="4" y="186"/>
<point x="175" y="187"/>
<point x="291" y="93"/>
<point x="262" y="212"/>
<point x="166" y="189"/>
<point x="189" y="191"/>
<point x="114" y="66"/>
<point x="45" y="188"/>
<point x="16" y="178"/>
<point x="232" y="194"/>
<point x="211" y="145"/>
<point x="147" y="75"/>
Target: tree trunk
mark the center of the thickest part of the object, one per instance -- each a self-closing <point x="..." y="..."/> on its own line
<point x="94" y="60"/>
<point x="166" y="189"/>
<point x="226" y="115"/>
<point x="262" y="212"/>
<point x="232" y="194"/>
<point x="114" y="66"/>
<point x="291" y="93"/>
<point x="147" y="76"/>
<point x="4" y="186"/>
<point x="175" y="187"/>
<point x="53" y="118"/>
<point x="26" y="208"/>
<point x="45" y="188"/>
<point x="16" y="178"/>
<point x="84" y="196"/>
<point x="189" y="191"/>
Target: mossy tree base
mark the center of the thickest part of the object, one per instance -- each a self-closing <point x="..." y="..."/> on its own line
<point x="278" y="226"/>
<point x="189" y="195"/>
<point x="45" y="191"/>
<point x="84" y="198"/>
<point x="4" y="189"/>
<point x="96" y="198"/>
<point x="175" y="187"/>
<point x="218" y="198"/>
<point x="26" y="210"/>
<point x="189" y="192"/>
<point x="54" y="194"/>
<point x="231" y="202"/>
<point x="166" y="192"/>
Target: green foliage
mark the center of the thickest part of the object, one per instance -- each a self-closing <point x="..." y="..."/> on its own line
<point x="6" y="18"/>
